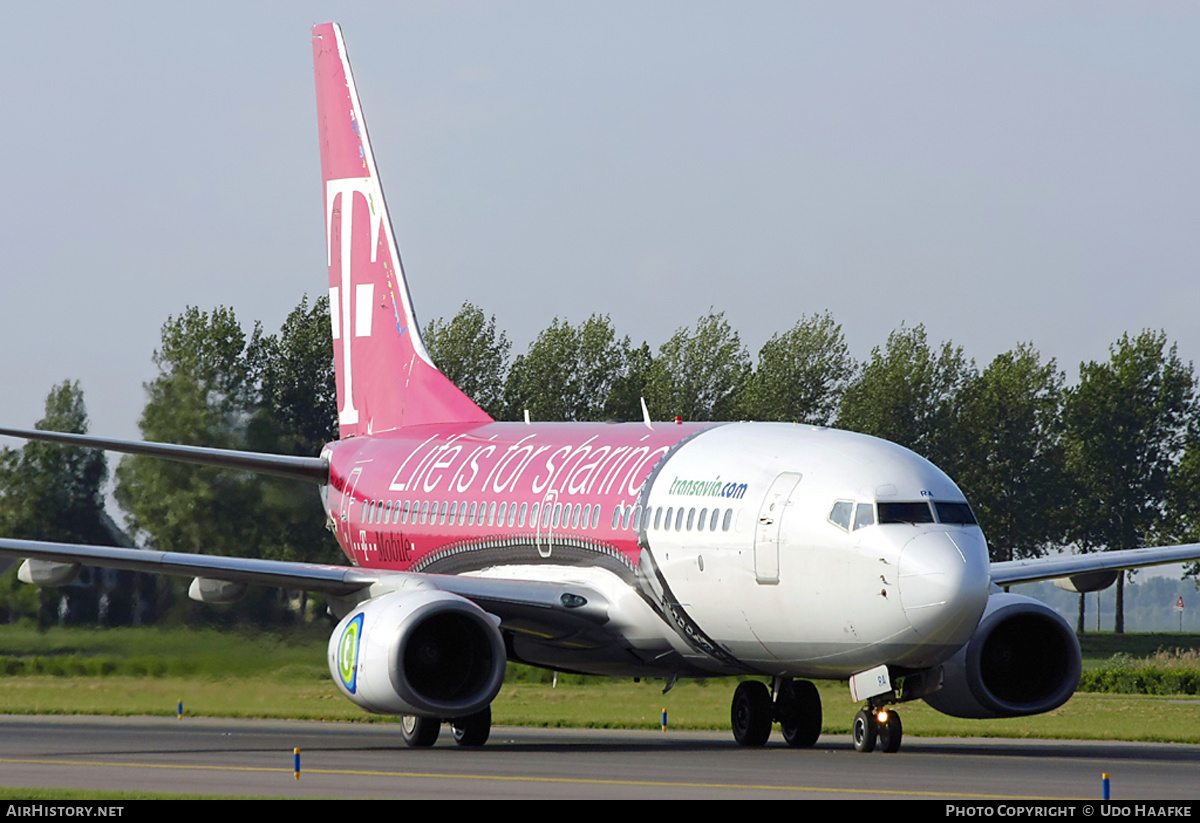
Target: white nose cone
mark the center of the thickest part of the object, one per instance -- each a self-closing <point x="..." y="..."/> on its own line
<point x="943" y="581"/>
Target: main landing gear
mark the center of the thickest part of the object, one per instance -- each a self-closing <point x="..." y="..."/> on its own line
<point x="422" y="732"/>
<point x="796" y="705"/>
<point x="877" y="725"/>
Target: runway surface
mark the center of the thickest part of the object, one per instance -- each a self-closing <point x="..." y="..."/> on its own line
<point x="344" y="760"/>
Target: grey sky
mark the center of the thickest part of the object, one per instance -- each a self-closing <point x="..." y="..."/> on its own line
<point x="998" y="172"/>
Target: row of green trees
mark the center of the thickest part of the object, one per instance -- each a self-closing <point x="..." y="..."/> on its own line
<point x="216" y="386"/>
<point x="1109" y="460"/>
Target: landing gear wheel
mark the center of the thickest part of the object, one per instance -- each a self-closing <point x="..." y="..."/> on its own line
<point x="865" y="730"/>
<point x="420" y="732"/>
<point x="890" y="734"/>
<point x="798" y="709"/>
<point x="473" y="730"/>
<point x="751" y="713"/>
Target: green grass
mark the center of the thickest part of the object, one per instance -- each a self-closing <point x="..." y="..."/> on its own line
<point x="284" y="676"/>
<point x="204" y="653"/>
<point x="1098" y="649"/>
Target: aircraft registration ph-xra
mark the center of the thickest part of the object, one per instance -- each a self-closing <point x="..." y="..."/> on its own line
<point x="634" y="549"/>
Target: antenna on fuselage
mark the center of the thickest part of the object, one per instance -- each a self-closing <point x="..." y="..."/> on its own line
<point x="646" y="414"/>
<point x="527" y="417"/>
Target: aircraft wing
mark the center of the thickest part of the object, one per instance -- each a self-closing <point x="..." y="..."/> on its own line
<point x="335" y="580"/>
<point x="1011" y="572"/>
<point x="544" y="609"/>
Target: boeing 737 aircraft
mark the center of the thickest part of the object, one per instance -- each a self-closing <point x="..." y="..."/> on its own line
<point x="646" y="549"/>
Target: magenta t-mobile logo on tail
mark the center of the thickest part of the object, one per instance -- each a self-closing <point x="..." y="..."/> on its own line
<point x="352" y="313"/>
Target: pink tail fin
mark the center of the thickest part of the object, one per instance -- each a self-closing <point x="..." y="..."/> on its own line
<point x="385" y="377"/>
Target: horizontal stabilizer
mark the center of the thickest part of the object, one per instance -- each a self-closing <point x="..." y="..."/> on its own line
<point x="312" y="469"/>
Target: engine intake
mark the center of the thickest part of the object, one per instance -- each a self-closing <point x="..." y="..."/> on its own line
<point x="425" y="652"/>
<point x="1022" y="659"/>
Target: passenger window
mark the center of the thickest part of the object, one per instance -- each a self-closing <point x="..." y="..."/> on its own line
<point x="616" y="516"/>
<point x="728" y="519"/>
<point x="521" y="516"/>
<point x="500" y="515"/>
<point x="667" y="519"/>
<point x="471" y="515"/>
<point x="492" y="514"/>
<point x="657" y="517"/>
<point x="557" y="515"/>
<point x="712" y="524"/>
<point x="512" y="514"/>
<point x="587" y="515"/>
<point x="679" y="519"/>
<point x="839" y="515"/>
<point x="596" y="517"/>
<point x="453" y="512"/>
<point x="691" y="517"/>
<point x="424" y="512"/>
<point x="546" y="515"/>
<point x="703" y="517"/>
<point x="575" y="516"/>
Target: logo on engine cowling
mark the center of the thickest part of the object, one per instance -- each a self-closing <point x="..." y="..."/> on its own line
<point x="348" y="653"/>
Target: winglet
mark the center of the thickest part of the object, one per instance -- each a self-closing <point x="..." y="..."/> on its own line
<point x="385" y="377"/>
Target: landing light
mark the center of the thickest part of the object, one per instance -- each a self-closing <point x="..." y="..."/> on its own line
<point x="882" y="716"/>
<point x="573" y="601"/>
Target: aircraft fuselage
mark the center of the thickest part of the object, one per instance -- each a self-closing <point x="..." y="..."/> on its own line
<point x="733" y="547"/>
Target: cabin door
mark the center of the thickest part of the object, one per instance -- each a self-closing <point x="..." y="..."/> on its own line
<point x="768" y="529"/>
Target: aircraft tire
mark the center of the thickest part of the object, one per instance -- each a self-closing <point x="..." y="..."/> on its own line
<point x="419" y="732"/>
<point x="890" y="734"/>
<point x="750" y="713"/>
<point x="474" y="729"/>
<point x="800" y="715"/>
<point x="866" y="728"/>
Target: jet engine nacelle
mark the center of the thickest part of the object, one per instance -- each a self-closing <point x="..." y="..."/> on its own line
<point x="1022" y="659"/>
<point x="425" y="652"/>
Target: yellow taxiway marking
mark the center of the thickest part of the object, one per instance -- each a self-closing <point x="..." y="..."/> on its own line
<point x="666" y="784"/>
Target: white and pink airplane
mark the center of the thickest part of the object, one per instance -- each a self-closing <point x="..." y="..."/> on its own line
<point x="646" y="549"/>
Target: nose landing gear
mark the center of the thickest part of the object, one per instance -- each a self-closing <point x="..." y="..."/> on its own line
<point x="877" y="725"/>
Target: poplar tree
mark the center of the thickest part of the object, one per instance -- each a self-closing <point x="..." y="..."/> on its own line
<point x="801" y="373"/>
<point x="1012" y="467"/>
<point x="700" y="373"/>
<point x="907" y="392"/>
<point x="469" y="350"/>
<point x="1127" y="422"/>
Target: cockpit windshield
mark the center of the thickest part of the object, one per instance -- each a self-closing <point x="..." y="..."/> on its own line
<point x="917" y="511"/>
<point x="905" y="512"/>
<point x="958" y="513"/>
